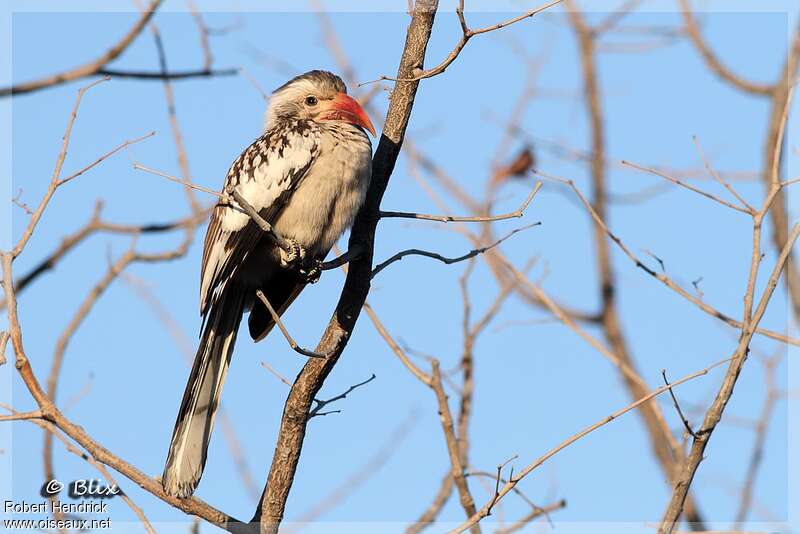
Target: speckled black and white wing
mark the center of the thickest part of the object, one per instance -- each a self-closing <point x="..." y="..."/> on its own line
<point x="265" y="174"/>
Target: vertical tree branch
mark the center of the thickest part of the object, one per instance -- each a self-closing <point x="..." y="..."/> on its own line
<point x="770" y="173"/>
<point x="271" y="508"/>
<point x="772" y="397"/>
<point x="453" y="449"/>
<point x="665" y="447"/>
<point x="714" y="413"/>
<point x="773" y="151"/>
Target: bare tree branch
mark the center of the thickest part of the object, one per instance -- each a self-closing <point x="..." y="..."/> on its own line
<point x="317" y="410"/>
<point x="448" y="261"/>
<point x="771" y="399"/>
<point x="714" y="174"/>
<point x="457" y="467"/>
<point x="295" y="415"/>
<point x="53" y="415"/>
<point x="22" y="416"/>
<point x="712" y="61"/>
<point x="662" y="277"/>
<point x="96" y="225"/>
<point x="49" y="411"/>
<point x="49" y="428"/>
<point x="419" y="74"/>
<point x="178" y="75"/>
<point x="688" y="186"/>
<point x="54" y="181"/>
<point x="685" y="421"/>
<point x="91" y="68"/>
<point x="714" y="413"/>
<point x="277" y="319"/>
<point x="342" y="259"/>
<point x="662" y="442"/>
<point x="400" y="353"/>
<point x="493" y="257"/>
<point x="535" y="513"/>
<point x="108" y="154"/>
<point x="773" y="154"/>
<point x="513" y="481"/>
<point x="519" y="212"/>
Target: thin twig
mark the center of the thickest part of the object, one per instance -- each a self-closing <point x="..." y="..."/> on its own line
<point x="719" y="179"/>
<point x="772" y="157"/>
<point x="232" y="199"/>
<point x="95" y="225"/>
<point x="317" y="410"/>
<point x="342" y="259"/>
<point x="519" y="212"/>
<point x="662" y="277"/>
<point x="533" y="514"/>
<point x="222" y="196"/>
<point x="494" y="477"/>
<point x="448" y="261"/>
<point x="690" y="187"/>
<point x="466" y="35"/>
<point x="292" y="343"/>
<point x="493" y="257"/>
<point x="513" y="481"/>
<point x="108" y="154"/>
<point x="183" y="160"/>
<point x="20" y="204"/>
<point x="202" y="29"/>
<point x="54" y="181"/>
<point x="399" y="352"/>
<point x="22" y="416"/>
<point x="175" y="75"/>
<point x="275" y="373"/>
<point x="678" y="407"/>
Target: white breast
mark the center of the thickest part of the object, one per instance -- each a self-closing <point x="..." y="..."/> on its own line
<point x="330" y="195"/>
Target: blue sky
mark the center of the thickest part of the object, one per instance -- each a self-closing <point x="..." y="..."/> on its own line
<point x="536" y="384"/>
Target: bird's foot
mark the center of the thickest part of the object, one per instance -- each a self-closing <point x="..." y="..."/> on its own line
<point x="294" y="255"/>
<point x="312" y="273"/>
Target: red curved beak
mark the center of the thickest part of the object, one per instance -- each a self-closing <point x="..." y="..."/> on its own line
<point x="345" y="108"/>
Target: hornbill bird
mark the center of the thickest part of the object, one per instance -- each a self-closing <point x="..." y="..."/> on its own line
<point x="307" y="176"/>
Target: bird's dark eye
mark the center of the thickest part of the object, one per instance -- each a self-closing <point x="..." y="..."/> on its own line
<point x="311" y="100"/>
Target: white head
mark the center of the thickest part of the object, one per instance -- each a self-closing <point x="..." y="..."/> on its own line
<point x="318" y="96"/>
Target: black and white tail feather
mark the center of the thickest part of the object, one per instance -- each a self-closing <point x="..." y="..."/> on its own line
<point x="192" y="434"/>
